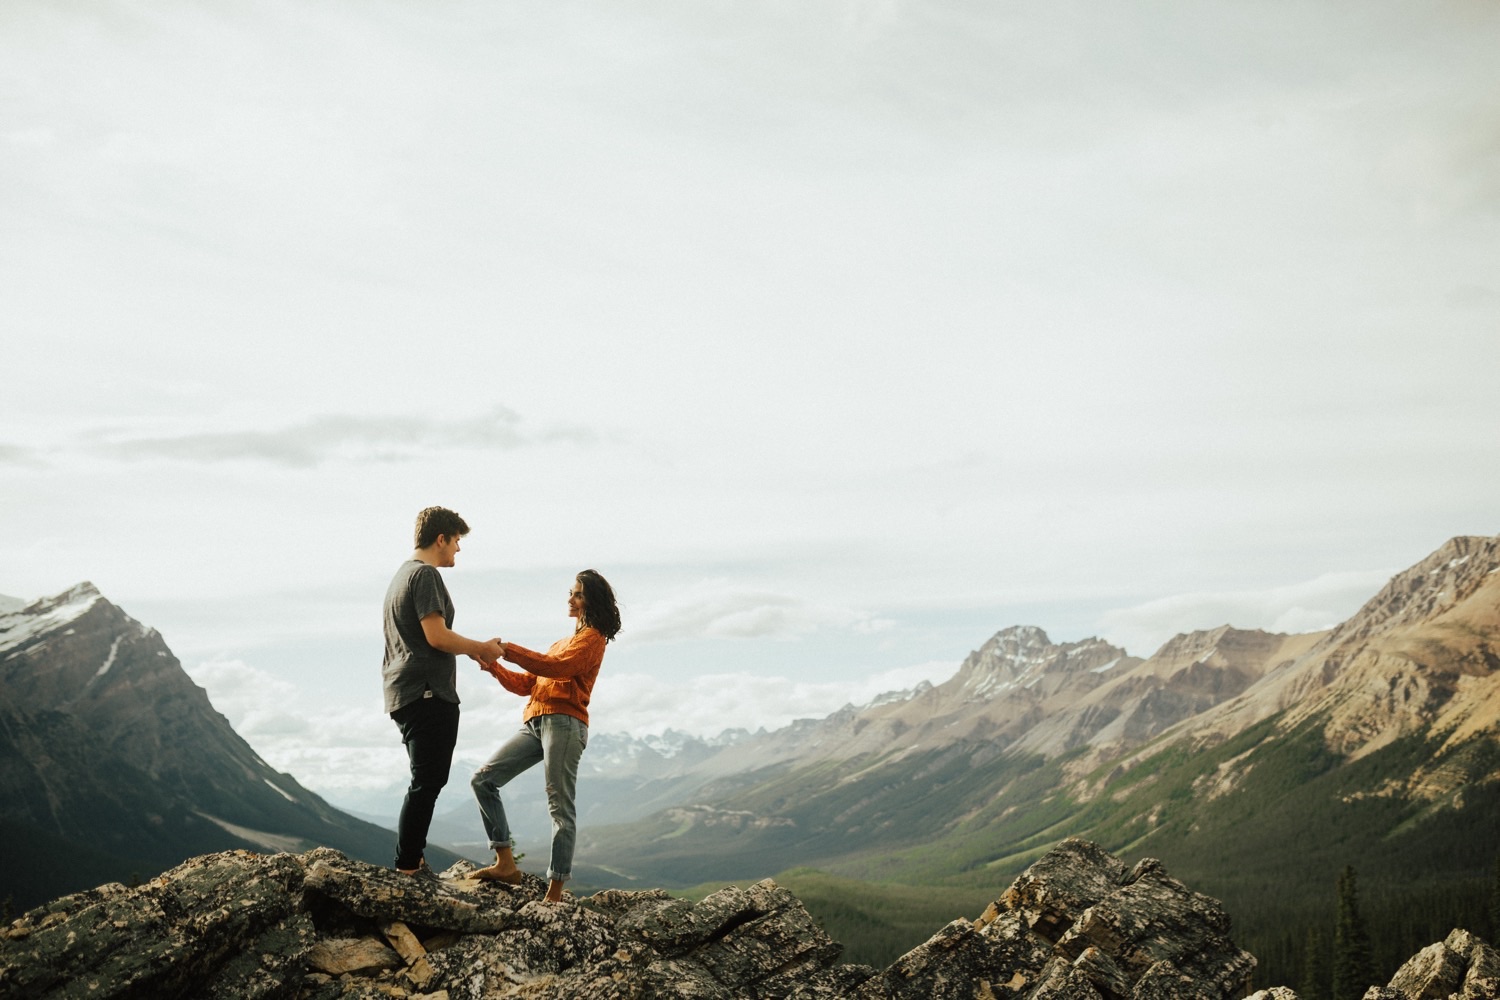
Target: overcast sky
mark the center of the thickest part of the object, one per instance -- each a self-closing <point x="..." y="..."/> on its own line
<point x="838" y="335"/>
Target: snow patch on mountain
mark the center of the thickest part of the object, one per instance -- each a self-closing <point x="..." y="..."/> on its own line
<point x="21" y="625"/>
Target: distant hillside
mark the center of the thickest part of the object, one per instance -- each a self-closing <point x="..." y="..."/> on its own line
<point x="113" y="763"/>
<point x="1258" y="764"/>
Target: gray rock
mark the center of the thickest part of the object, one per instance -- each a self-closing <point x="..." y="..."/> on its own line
<point x="233" y="914"/>
<point x="1482" y="979"/>
<point x="384" y="894"/>
<point x="956" y="959"/>
<point x="1067" y="880"/>
<point x="1160" y="932"/>
<point x="1061" y="981"/>
<point x="1165" y="981"/>
<point x="1077" y="925"/>
<point x="1460" y="967"/>
<point x="1433" y="973"/>
<point x="336" y="956"/>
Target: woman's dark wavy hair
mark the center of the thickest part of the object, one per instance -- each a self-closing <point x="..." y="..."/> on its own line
<point x="599" y="609"/>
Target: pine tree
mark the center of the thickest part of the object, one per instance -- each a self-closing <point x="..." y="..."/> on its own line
<point x="1316" y="972"/>
<point x="1353" y="965"/>
<point x="1494" y="907"/>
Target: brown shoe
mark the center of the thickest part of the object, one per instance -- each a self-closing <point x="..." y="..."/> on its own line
<point x="421" y="872"/>
<point x="493" y="874"/>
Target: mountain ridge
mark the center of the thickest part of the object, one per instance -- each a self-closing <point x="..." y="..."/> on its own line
<point x="1031" y="740"/>
<point x="106" y="741"/>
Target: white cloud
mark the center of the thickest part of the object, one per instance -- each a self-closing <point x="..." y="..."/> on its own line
<point x="18" y="455"/>
<point x="342" y="752"/>
<point x="720" y="610"/>
<point x="881" y="320"/>
<point x="1310" y="606"/>
<point x="707" y="704"/>
<point x="344" y="437"/>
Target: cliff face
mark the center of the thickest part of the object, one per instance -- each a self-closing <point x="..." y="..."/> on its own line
<point x="106" y="742"/>
<point x="1422" y="657"/>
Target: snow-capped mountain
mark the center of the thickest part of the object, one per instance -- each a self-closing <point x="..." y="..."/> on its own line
<point x="109" y="750"/>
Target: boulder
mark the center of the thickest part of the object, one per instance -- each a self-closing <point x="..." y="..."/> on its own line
<point x="1078" y="923"/>
<point x="1460" y="967"/>
<point x="1433" y="973"/>
<point x="1168" y="940"/>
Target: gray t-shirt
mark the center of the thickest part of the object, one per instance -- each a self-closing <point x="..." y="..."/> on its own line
<point x="412" y="665"/>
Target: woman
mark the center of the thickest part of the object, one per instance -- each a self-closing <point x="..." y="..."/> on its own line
<point x="554" y="728"/>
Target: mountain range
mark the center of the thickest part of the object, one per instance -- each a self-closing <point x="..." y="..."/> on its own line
<point x="1257" y="764"/>
<point x="1374" y="743"/>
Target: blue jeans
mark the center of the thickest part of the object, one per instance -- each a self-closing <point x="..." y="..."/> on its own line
<point x="557" y="741"/>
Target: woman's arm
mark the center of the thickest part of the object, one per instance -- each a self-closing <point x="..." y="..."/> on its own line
<point x="513" y="682"/>
<point x="582" y="652"/>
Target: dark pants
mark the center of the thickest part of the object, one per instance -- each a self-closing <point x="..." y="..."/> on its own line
<point x="429" y="728"/>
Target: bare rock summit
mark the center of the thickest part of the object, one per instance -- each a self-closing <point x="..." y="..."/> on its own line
<point x="1079" y="923"/>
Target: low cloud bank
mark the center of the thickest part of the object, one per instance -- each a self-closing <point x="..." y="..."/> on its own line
<point x="1309" y="606"/>
<point x="343" y="752"/>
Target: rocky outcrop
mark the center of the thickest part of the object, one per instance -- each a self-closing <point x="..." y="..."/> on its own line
<point x="1460" y="967"/>
<point x="1078" y="924"/>
<point x="320" y="926"/>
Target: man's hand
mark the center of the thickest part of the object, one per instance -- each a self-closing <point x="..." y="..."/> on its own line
<point x="441" y="637"/>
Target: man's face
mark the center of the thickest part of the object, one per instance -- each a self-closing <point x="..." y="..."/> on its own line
<point x="447" y="548"/>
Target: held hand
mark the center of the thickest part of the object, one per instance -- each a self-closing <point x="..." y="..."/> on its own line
<point x="489" y="652"/>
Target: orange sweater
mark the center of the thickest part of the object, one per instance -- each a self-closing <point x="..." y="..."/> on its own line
<point x="559" y="681"/>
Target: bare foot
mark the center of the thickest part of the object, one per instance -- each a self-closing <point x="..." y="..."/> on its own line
<point x="554" y="892"/>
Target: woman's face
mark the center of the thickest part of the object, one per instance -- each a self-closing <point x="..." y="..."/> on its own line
<point x="575" y="600"/>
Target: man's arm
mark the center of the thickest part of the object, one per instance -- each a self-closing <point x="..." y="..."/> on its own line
<point x="444" y="639"/>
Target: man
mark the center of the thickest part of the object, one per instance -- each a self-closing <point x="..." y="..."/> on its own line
<point x="421" y="674"/>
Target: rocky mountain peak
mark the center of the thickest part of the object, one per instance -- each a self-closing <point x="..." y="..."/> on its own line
<point x="106" y="741"/>
<point x="83" y="592"/>
<point x="1432" y="587"/>
<point x="1021" y="656"/>
<point x="1222" y="648"/>
<point x="1193" y="645"/>
<point x="1017" y="642"/>
<point x="22" y="624"/>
